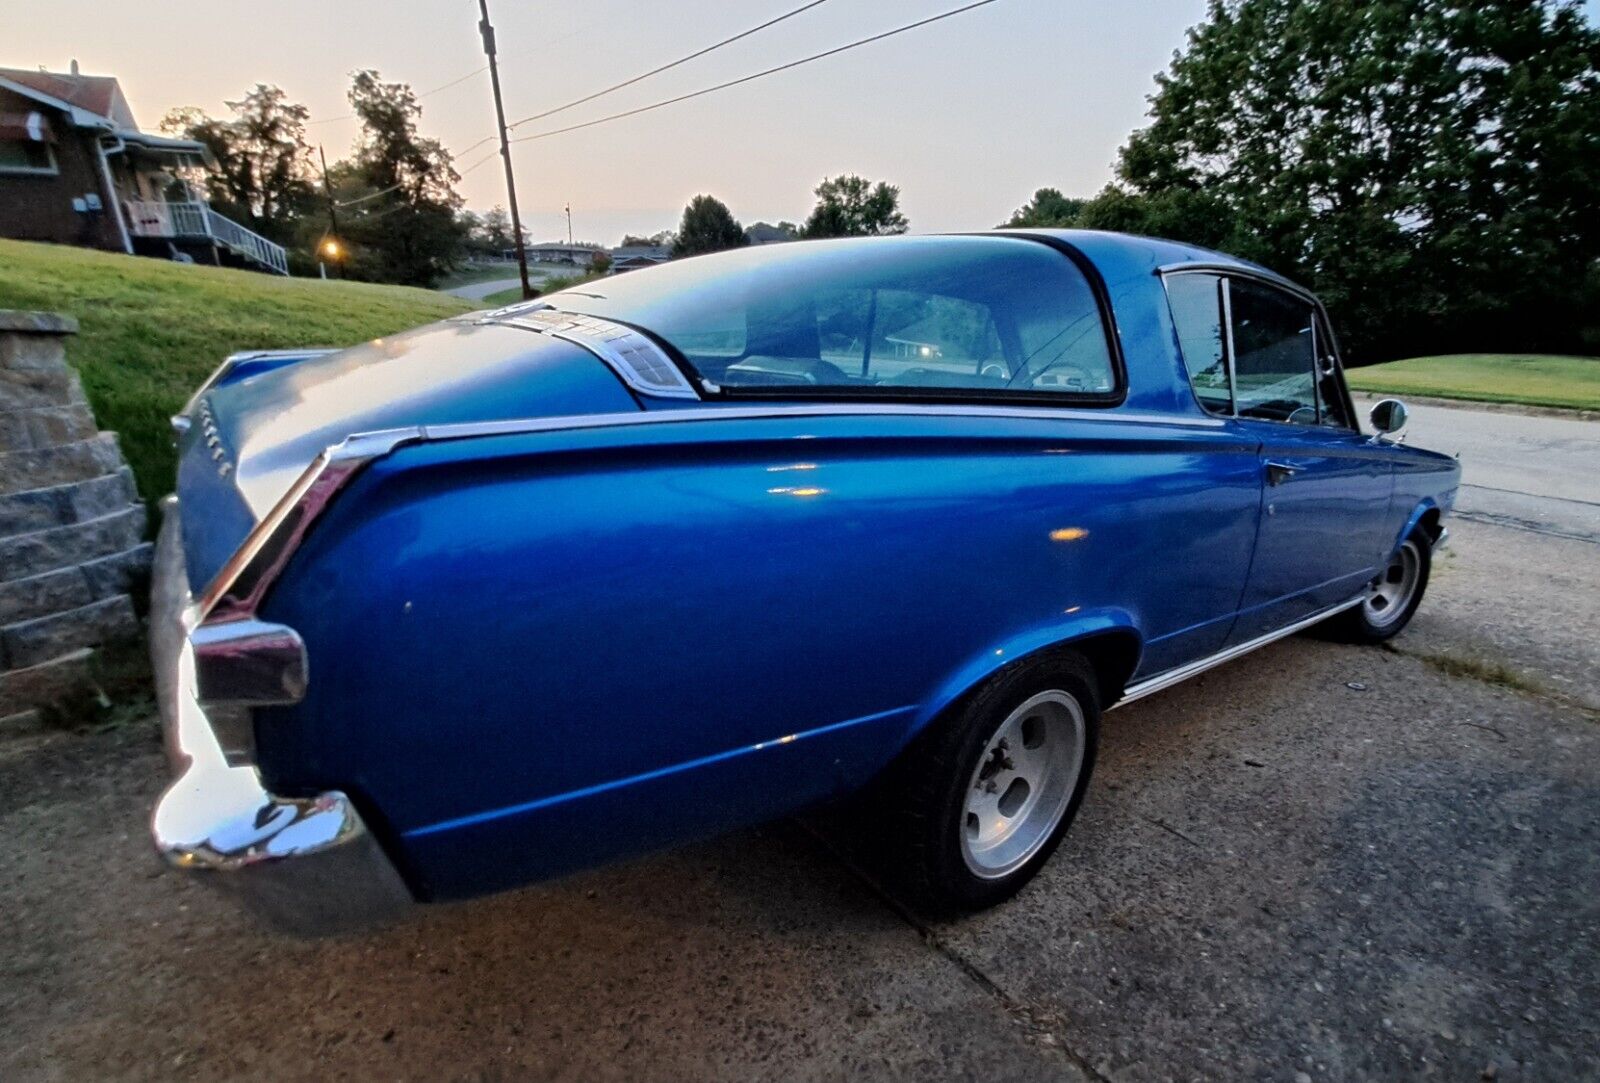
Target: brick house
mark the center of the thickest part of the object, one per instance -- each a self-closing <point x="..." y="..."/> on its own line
<point x="76" y="169"/>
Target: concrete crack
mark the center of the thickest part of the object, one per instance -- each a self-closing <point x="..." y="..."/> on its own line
<point x="1044" y="1026"/>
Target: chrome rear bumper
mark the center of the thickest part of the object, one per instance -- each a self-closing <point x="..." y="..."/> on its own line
<point x="308" y="864"/>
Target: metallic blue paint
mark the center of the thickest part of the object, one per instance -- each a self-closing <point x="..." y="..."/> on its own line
<point x="533" y="652"/>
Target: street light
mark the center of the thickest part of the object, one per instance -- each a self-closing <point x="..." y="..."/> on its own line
<point x="330" y="248"/>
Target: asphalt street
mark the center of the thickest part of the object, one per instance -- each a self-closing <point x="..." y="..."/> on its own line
<point x="537" y="274"/>
<point x="1322" y="862"/>
<point x="1531" y="470"/>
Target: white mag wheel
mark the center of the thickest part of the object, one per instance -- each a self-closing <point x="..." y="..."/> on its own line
<point x="1022" y="784"/>
<point x="1389" y="595"/>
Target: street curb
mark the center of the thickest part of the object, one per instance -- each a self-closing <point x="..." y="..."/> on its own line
<point x="1566" y="413"/>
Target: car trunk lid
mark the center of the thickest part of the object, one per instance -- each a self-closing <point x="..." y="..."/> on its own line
<point x="249" y="440"/>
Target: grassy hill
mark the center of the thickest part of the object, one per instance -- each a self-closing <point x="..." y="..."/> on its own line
<point x="152" y="331"/>
<point x="1526" y="379"/>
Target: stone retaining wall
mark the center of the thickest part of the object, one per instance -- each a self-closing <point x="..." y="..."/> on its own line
<point x="72" y="548"/>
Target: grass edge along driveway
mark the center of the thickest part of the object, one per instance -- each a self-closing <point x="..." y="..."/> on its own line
<point x="1524" y="379"/>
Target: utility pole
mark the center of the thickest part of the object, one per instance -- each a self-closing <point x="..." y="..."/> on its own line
<point x="487" y="30"/>
<point x="330" y="245"/>
<point x="569" y="225"/>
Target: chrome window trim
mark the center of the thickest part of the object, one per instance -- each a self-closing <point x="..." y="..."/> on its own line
<point x="1266" y="278"/>
<point x="1227" y="346"/>
<point x="1182" y="673"/>
<point x="1240" y="270"/>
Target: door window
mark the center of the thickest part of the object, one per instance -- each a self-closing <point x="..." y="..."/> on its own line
<point x="1274" y="354"/>
<point x="1330" y="390"/>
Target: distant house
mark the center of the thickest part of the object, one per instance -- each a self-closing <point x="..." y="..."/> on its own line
<point x="76" y="169"/>
<point x="631" y="257"/>
<point x="578" y="255"/>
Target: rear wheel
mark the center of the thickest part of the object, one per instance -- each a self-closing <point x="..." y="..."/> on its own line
<point x="982" y="798"/>
<point x="1391" y="598"/>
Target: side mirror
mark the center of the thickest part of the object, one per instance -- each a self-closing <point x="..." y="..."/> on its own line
<point x="1389" y="416"/>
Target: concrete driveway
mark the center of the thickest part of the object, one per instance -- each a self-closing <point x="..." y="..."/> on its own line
<point x="538" y="274"/>
<point x="1323" y="862"/>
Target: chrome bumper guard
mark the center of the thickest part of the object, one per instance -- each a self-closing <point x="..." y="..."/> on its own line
<point x="309" y="865"/>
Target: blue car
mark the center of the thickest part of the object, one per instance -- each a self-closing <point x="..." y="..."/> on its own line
<point x="674" y="552"/>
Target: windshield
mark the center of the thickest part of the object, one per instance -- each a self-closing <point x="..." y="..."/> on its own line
<point x="899" y="314"/>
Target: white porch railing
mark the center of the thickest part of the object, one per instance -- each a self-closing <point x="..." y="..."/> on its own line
<point x="197" y="221"/>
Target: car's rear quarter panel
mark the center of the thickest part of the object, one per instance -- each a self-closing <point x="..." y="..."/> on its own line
<point x="530" y="653"/>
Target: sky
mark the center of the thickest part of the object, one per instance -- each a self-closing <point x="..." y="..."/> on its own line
<point x="968" y="116"/>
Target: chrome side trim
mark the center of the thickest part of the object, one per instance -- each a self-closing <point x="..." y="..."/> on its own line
<point x="636" y="360"/>
<point x="1182" y="673"/>
<point x="513" y="427"/>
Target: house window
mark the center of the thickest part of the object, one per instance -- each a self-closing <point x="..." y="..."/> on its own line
<point x="26" y="156"/>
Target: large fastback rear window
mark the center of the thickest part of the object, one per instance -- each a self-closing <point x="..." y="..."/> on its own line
<point x="908" y="315"/>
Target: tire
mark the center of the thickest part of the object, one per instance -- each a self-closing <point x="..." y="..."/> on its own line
<point x="947" y="860"/>
<point x="1391" y="599"/>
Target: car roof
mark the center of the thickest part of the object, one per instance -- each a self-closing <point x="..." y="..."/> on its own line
<point x="1112" y="252"/>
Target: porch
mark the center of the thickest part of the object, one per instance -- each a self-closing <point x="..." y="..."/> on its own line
<point x="195" y="221"/>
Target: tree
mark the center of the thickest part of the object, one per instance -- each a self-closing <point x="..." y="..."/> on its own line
<point x="852" y="206"/>
<point x="1048" y="207"/>
<point x="264" y="175"/>
<point x="665" y="238"/>
<point x="495" y="230"/>
<point x="1428" y="166"/>
<point x="707" y="226"/>
<point x="406" y="229"/>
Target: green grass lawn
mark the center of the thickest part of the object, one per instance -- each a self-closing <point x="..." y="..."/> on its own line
<point x="152" y="331"/>
<point x="1526" y="379"/>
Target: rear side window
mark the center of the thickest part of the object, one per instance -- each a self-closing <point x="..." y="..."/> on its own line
<point x="946" y="315"/>
<point x="1196" y="302"/>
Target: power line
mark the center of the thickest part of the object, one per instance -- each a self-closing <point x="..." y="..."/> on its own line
<point x="370" y="195"/>
<point x="485" y="160"/>
<point x="758" y="75"/>
<point x="544" y="47"/>
<point x="419" y="97"/>
<point x="665" y="67"/>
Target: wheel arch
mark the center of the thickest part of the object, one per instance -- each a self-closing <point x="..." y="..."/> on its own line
<point x="1107" y="639"/>
<point x="1426" y="518"/>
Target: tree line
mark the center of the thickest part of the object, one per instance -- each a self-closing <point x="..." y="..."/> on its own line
<point x="1430" y="168"/>
<point x="395" y="215"/>
<point x="399" y="216"/>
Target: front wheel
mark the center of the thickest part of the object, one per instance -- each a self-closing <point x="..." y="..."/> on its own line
<point x="1391" y="598"/>
<point x="982" y="798"/>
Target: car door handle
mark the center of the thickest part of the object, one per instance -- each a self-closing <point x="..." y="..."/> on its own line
<point x="1278" y="473"/>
